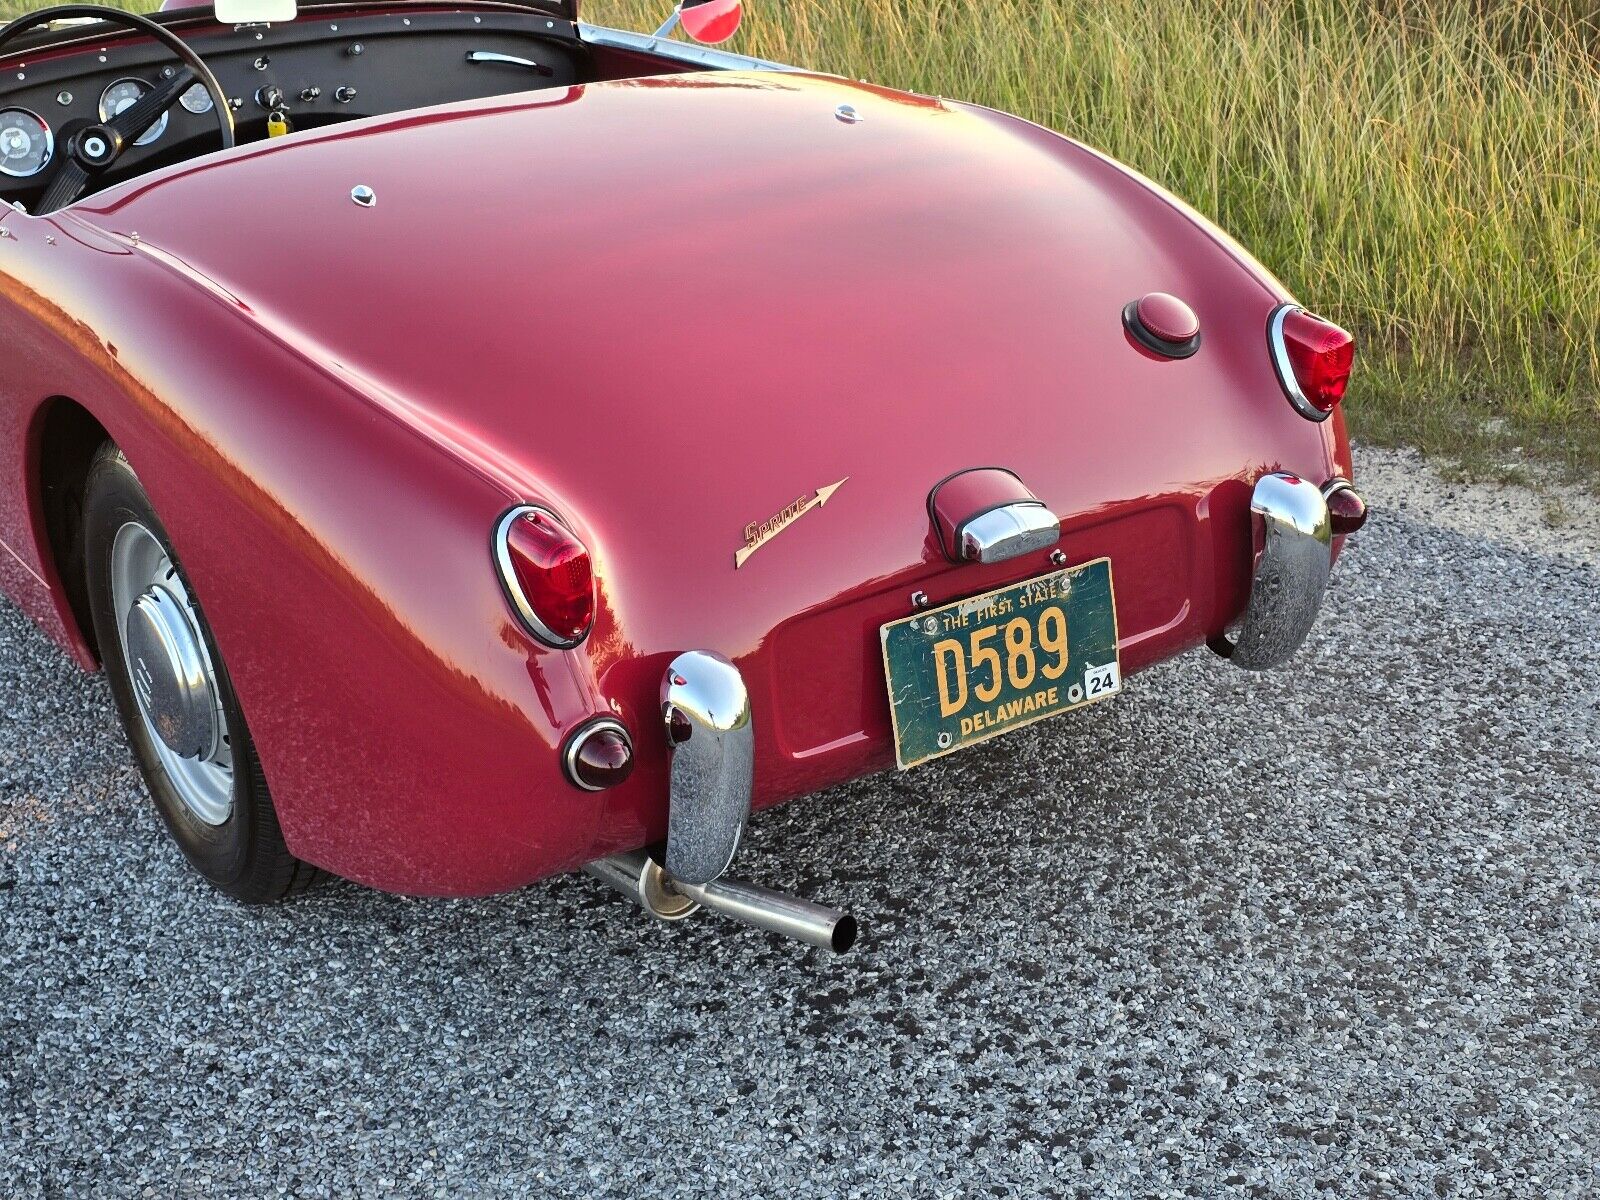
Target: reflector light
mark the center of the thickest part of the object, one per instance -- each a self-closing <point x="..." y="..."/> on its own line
<point x="1347" y="511"/>
<point x="1313" y="358"/>
<point x="711" y="21"/>
<point x="547" y="574"/>
<point x="599" y="755"/>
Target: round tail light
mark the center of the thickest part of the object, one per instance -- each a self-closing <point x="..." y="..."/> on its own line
<point x="547" y="574"/>
<point x="1347" y="511"/>
<point x="598" y="755"/>
<point x="1313" y="358"/>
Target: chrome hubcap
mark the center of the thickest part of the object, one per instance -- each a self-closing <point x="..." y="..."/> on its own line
<point x="173" y="681"/>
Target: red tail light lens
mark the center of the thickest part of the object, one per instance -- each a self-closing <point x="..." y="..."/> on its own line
<point x="547" y="574"/>
<point x="1313" y="358"/>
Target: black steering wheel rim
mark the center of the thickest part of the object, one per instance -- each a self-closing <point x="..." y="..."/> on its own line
<point x="140" y="24"/>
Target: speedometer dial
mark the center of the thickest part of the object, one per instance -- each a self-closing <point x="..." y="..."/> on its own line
<point x="26" y="143"/>
<point x="123" y="95"/>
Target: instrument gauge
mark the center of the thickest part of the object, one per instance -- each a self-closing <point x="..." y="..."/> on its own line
<point x="123" y="95"/>
<point x="26" y="143"/>
<point x="197" y="100"/>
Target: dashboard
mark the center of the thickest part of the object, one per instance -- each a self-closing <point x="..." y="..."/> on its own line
<point x="314" y="71"/>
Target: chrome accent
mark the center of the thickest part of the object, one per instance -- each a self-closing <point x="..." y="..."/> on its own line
<point x="848" y="114"/>
<point x="513" y="590"/>
<point x="640" y="878"/>
<point x="919" y="599"/>
<point x="174" y="683"/>
<point x="1337" y="484"/>
<point x="706" y="710"/>
<point x="699" y="56"/>
<point x="363" y="195"/>
<point x="758" y="534"/>
<point x="1294" y="539"/>
<point x="1008" y="532"/>
<point x="170" y="679"/>
<point x="1285" y="369"/>
<point x="49" y="144"/>
<point x="1058" y="558"/>
<point x="671" y="23"/>
<point x="813" y="924"/>
<point x="569" y="757"/>
<point x="509" y="60"/>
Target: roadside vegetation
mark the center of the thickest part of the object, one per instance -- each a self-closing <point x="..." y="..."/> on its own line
<point x="1427" y="173"/>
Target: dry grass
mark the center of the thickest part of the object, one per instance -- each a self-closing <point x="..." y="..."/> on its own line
<point x="1427" y="173"/>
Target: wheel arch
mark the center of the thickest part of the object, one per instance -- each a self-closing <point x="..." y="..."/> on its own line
<point x="66" y="436"/>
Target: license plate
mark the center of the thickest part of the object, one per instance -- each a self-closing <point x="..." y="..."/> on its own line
<point x="983" y="666"/>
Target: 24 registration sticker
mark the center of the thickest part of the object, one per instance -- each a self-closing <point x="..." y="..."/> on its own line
<point x="1099" y="682"/>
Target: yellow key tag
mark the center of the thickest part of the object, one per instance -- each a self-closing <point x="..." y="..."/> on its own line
<point x="277" y="124"/>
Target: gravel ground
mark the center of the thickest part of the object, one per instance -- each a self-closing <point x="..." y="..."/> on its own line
<point x="1330" y="931"/>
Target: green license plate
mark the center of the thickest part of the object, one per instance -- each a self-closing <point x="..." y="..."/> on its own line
<point x="983" y="666"/>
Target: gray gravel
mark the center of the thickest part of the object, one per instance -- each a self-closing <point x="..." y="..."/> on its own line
<point x="1329" y="931"/>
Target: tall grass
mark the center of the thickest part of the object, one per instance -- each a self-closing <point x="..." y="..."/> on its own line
<point x="1428" y="173"/>
<point x="1425" y="172"/>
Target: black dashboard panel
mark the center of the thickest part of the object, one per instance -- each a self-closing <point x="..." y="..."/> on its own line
<point x="317" y="70"/>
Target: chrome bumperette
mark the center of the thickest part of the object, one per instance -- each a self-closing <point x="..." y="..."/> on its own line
<point x="707" y="713"/>
<point x="1294" y="554"/>
<point x="1009" y="531"/>
<point x="706" y="710"/>
<point x="699" y="56"/>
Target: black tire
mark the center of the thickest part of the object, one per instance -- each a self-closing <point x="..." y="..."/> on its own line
<point x="244" y="856"/>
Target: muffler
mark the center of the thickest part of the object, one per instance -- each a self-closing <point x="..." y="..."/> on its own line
<point x="640" y="878"/>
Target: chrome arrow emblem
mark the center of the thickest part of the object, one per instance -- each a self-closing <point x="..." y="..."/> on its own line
<point x="758" y="534"/>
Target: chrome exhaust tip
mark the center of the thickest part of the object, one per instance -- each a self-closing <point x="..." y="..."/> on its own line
<point x="814" y="924"/>
<point x="640" y="878"/>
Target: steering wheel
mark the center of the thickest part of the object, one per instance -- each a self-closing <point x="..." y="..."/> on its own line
<point x="93" y="149"/>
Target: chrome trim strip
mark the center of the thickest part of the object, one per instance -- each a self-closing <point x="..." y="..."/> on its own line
<point x="508" y="578"/>
<point x="1009" y="531"/>
<point x="1294" y="534"/>
<point x="1280" y="362"/>
<point x="699" y="56"/>
<point x="579" y="737"/>
<point x="706" y="710"/>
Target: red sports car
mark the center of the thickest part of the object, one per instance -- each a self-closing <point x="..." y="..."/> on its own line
<point x="478" y="444"/>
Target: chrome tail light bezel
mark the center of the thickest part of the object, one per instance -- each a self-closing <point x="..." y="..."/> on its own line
<point x="506" y="571"/>
<point x="1285" y="368"/>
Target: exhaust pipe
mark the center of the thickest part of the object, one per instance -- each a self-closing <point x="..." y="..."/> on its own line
<point x="705" y="710"/>
<point x="640" y="878"/>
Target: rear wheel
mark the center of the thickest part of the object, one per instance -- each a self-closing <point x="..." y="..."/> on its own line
<point x="171" y="688"/>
